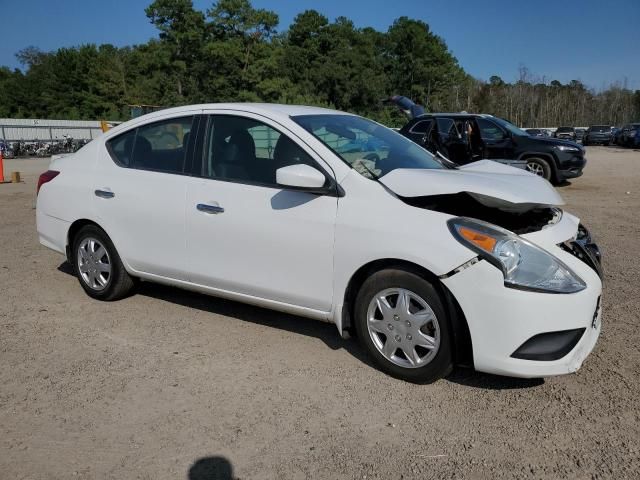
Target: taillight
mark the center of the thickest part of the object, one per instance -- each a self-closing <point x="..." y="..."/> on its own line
<point x="46" y="177"/>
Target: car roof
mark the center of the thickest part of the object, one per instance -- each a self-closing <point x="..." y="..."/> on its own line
<point x="457" y="114"/>
<point x="271" y="110"/>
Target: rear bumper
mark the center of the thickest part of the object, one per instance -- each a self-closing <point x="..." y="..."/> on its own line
<point x="598" y="139"/>
<point x="52" y="231"/>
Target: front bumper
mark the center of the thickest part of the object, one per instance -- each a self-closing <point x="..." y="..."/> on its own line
<point x="570" y="164"/>
<point x="502" y="319"/>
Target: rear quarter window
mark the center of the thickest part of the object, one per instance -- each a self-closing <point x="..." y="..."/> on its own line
<point x="121" y="147"/>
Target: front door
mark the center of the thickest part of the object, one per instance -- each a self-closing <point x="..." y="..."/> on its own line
<point x="246" y="234"/>
<point x="497" y="142"/>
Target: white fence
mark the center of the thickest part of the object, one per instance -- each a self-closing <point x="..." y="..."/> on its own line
<point x="28" y="129"/>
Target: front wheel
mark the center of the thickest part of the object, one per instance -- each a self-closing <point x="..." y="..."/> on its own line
<point x="98" y="265"/>
<point x="540" y="167"/>
<point x="402" y="325"/>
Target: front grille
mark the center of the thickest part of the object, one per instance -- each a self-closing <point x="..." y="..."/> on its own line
<point x="585" y="249"/>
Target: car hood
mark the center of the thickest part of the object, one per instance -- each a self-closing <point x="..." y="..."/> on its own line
<point x="489" y="182"/>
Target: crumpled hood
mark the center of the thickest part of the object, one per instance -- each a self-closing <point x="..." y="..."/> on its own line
<point x="489" y="182"/>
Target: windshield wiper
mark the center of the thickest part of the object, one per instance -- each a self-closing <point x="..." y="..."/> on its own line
<point x="447" y="162"/>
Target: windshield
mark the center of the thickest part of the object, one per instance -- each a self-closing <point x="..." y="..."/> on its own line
<point x="511" y="127"/>
<point x="600" y="128"/>
<point x="369" y="148"/>
<point x="565" y="130"/>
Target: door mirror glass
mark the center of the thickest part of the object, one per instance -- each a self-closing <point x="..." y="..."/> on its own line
<point x="300" y="176"/>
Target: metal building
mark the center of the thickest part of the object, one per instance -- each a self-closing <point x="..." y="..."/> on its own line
<point x="29" y="129"/>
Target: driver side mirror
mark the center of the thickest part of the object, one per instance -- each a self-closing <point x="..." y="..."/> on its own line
<point x="300" y="176"/>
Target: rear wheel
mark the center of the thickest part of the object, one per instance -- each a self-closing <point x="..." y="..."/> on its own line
<point x="98" y="266"/>
<point x="402" y="325"/>
<point x="540" y="167"/>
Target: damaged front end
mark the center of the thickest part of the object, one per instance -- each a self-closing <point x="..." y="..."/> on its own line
<point x="500" y="196"/>
<point x="521" y="220"/>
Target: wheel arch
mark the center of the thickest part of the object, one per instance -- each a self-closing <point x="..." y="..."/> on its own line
<point x="544" y="156"/>
<point x="74" y="228"/>
<point x="462" y="345"/>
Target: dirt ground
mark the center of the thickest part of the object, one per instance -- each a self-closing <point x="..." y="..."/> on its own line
<point x="171" y="384"/>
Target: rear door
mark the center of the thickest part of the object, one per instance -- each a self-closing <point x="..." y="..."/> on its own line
<point x="453" y="139"/>
<point x="420" y="132"/>
<point x="139" y="195"/>
<point x="245" y="233"/>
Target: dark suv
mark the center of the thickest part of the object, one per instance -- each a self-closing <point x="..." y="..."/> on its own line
<point x="464" y="138"/>
<point x="566" y="133"/>
<point x="601" y="134"/>
<point x="630" y="136"/>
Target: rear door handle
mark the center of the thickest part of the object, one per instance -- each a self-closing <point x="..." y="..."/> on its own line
<point x="211" y="209"/>
<point x="104" y="193"/>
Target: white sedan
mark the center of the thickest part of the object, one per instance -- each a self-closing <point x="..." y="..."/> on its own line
<point x="331" y="216"/>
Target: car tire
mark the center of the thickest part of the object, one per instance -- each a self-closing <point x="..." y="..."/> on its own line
<point x="540" y="167"/>
<point x="422" y="330"/>
<point x="98" y="266"/>
<point x="585" y="142"/>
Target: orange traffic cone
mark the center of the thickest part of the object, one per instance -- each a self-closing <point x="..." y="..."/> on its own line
<point x="1" y="168"/>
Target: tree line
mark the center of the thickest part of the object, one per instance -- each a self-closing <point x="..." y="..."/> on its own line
<point x="234" y="52"/>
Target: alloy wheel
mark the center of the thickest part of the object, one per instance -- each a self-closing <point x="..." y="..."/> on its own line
<point x="403" y="327"/>
<point x="536" y="168"/>
<point x="94" y="264"/>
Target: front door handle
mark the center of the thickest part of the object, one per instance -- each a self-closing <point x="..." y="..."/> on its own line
<point x="104" y="193"/>
<point x="211" y="209"/>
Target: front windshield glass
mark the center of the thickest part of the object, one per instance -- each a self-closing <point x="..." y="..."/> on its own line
<point x="369" y="148"/>
<point x="601" y="128"/>
<point x="511" y="127"/>
<point x="564" y="130"/>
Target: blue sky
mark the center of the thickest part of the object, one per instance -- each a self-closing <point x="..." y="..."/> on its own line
<point x="594" y="41"/>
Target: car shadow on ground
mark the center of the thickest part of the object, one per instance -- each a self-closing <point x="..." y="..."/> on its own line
<point x="211" y="468"/>
<point x="564" y="183"/>
<point x="326" y="332"/>
<point x="470" y="378"/>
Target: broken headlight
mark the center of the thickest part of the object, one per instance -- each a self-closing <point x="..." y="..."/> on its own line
<point x="523" y="264"/>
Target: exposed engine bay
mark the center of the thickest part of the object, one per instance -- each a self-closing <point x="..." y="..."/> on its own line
<point x="466" y="205"/>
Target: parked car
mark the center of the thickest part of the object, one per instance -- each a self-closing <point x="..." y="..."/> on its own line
<point x="580" y="133"/>
<point x="598" y="134"/>
<point x="429" y="265"/>
<point x="535" y="132"/>
<point x="630" y="136"/>
<point x="464" y="138"/>
<point x="566" y="133"/>
<point x="617" y="136"/>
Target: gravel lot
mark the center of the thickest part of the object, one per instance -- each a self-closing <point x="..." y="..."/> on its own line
<point x="170" y="384"/>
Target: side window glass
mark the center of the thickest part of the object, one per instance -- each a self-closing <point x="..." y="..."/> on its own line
<point x="447" y="126"/>
<point x="265" y="139"/>
<point x="162" y="145"/>
<point x="421" y="127"/>
<point x="121" y="147"/>
<point x="489" y="130"/>
<point x="246" y="150"/>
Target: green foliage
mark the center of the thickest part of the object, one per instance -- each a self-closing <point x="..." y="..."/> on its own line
<point x="233" y="52"/>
